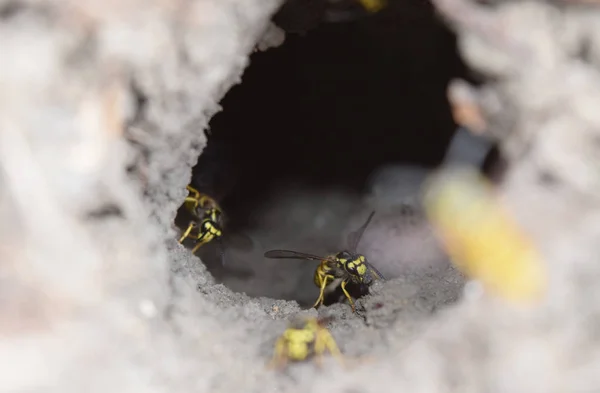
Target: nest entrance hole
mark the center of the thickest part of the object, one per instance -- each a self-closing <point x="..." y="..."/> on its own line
<point x="322" y="112"/>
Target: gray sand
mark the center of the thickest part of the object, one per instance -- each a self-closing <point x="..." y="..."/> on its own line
<point x="110" y="302"/>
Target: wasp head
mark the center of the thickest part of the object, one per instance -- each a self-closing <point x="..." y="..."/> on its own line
<point x="354" y="264"/>
<point x="214" y="214"/>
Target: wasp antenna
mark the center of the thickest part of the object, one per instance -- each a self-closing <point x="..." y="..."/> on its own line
<point x="354" y="237"/>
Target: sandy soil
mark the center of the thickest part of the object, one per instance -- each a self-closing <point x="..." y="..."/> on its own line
<point x="101" y="111"/>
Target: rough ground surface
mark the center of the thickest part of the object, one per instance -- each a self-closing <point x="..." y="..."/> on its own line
<point x="97" y="297"/>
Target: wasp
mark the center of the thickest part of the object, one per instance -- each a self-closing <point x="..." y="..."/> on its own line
<point x="207" y="222"/>
<point x="481" y="236"/>
<point x="345" y="267"/>
<point x="304" y="337"/>
<point x="348" y="10"/>
<point x="301" y="16"/>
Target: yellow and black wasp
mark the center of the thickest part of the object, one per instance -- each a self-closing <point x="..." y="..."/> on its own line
<point x="207" y="220"/>
<point x="207" y="224"/>
<point x="345" y="267"/>
<point x="305" y="337"/>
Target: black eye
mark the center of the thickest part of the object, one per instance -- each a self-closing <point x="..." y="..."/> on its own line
<point x="343" y="255"/>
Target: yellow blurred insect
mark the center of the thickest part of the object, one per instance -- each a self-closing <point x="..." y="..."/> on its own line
<point x="373" y="5"/>
<point x="305" y="337"/>
<point x="347" y="10"/>
<point x="480" y="236"/>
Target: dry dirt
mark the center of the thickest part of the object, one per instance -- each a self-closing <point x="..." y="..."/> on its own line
<point x="102" y="107"/>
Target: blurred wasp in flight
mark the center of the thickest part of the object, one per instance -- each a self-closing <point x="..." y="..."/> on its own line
<point x="338" y="270"/>
<point x="482" y="237"/>
<point x="301" y="16"/>
<point x="305" y="337"/>
<point x="346" y="10"/>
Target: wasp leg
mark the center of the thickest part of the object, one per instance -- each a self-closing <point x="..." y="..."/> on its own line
<point x="187" y="231"/>
<point x="205" y="200"/>
<point x="320" y="347"/>
<point x="326" y="341"/>
<point x="279" y="358"/>
<point x="201" y="242"/>
<point x="348" y="295"/>
<point x="196" y="247"/>
<point x="205" y="236"/>
<point x="321" y="297"/>
<point x="193" y="199"/>
<point x="194" y="192"/>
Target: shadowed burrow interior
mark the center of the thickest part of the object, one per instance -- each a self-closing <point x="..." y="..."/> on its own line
<point x="290" y="155"/>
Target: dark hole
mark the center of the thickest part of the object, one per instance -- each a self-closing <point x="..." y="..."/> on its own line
<point x="325" y="110"/>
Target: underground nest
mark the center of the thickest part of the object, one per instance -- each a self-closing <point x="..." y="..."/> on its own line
<point x="102" y="115"/>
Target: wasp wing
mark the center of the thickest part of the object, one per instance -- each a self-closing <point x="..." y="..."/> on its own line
<point x="354" y="237"/>
<point x="377" y="272"/>
<point x="289" y="254"/>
